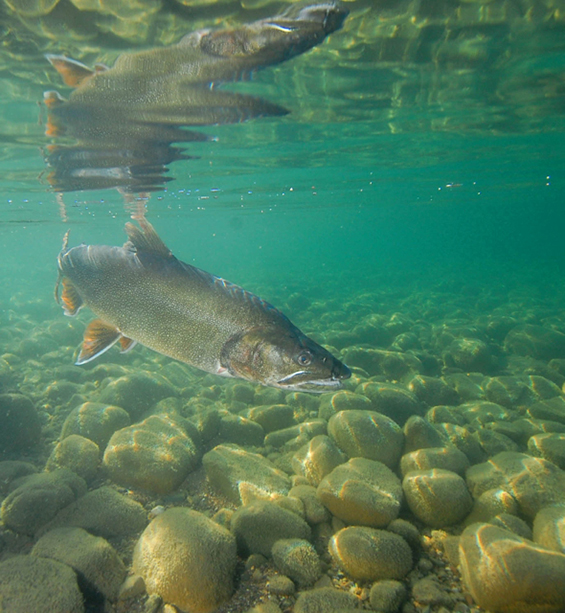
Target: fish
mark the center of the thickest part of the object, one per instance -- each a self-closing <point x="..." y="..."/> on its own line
<point x="141" y="293"/>
<point x="125" y="118"/>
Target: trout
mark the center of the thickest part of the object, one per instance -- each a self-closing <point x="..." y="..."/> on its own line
<point x="141" y="293"/>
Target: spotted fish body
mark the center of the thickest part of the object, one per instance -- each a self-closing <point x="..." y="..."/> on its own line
<point x="142" y="294"/>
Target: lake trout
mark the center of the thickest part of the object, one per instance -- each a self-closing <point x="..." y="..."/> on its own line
<point x="141" y="293"/>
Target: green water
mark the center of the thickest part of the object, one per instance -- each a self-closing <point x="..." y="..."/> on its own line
<point x="418" y="176"/>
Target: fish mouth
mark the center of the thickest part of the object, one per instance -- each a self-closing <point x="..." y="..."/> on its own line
<point x="293" y="382"/>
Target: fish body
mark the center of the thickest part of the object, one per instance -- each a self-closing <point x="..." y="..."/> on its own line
<point x="142" y="294"/>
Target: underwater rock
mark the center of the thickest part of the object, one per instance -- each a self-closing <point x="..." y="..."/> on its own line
<point x="103" y="512"/>
<point x="21" y="427"/>
<point x="433" y="391"/>
<point x="257" y="527"/>
<point x="297" y="435"/>
<point x="387" y="596"/>
<point x="137" y="393"/>
<point x="428" y="591"/>
<point x="549" y="446"/>
<point x="314" y="511"/>
<point x="493" y="442"/>
<point x="419" y="433"/>
<point x="535" y="341"/>
<point x="95" y="421"/>
<point x="469" y="355"/>
<point x="272" y="417"/>
<point x="38" y="498"/>
<point x="448" y="458"/>
<point x="187" y="559"/>
<point x="445" y="415"/>
<point x="367" y="554"/>
<point x="154" y="455"/>
<point x="240" y="474"/>
<point x="392" y="400"/>
<point x="91" y="556"/>
<point x="325" y="600"/>
<point x="240" y="392"/>
<point x="506" y="573"/>
<point x="534" y="483"/>
<point x="480" y="412"/>
<point x="509" y="391"/>
<point x="362" y="492"/>
<point x="297" y="559"/>
<point x="552" y="409"/>
<point x="207" y="420"/>
<point x="39" y="585"/>
<point x="467" y="385"/>
<point x="465" y="440"/>
<point x="10" y="470"/>
<point x="437" y="497"/>
<point x="347" y="401"/>
<point x="239" y="430"/>
<point x="549" y="528"/>
<point x="492" y="503"/>
<point x="77" y="453"/>
<point x="367" y="434"/>
<point x="317" y="459"/>
<point x="513" y="524"/>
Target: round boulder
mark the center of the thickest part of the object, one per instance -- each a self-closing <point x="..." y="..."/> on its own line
<point x="77" y="453"/>
<point x="95" y="421"/>
<point x="297" y="559"/>
<point x="21" y="427"/>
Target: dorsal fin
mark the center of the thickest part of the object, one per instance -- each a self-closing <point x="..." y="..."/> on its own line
<point x="146" y="239"/>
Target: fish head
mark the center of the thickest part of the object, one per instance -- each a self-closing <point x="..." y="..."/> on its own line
<point x="283" y="358"/>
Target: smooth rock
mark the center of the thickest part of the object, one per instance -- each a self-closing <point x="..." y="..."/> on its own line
<point x="317" y="458"/>
<point x="387" y="596"/>
<point x="297" y="559"/>
<point x="314" y="511"/>
<point x="257" y="526"/>
<point x="38" y="585"/>
<point x="155" y="455"/>
<point x="549" y="528"/>
<point x="77" y="453"/>
<point x="491" y="503"/>
<point x="367" y="434"/>
<point x="187" y="559"/>
<point x="325" y="600"/>
<point x="38" y="498"/>
<point x="469" y="355"/>
<point x="21" y="427"/>
<point x="392" y="400"/>
<point x="92" y="556"/>
<point x="552" y="409"/>
<point x="10" y="470"/>
<point x="550" y="447"/>
<point x="298" y="435"/>
<point x="366" y="554"/>
<point x="419" y="433"/>
<point x="437" y="497"/>
<point x="95" y="421"/>
<point x="362" y="492"/>
<point x="464" y="439"/>
<point x="513" y="524"/>
<point x="448" y="458"/>
<point x="272" y="417"/>
<point x="239" y="430"/>
<point x="241" y="475"/>
<point x="433" y="391"/>
<point x="103" y="512"/>
<point x="508" y="574"/>
<point x="535" y="341"/>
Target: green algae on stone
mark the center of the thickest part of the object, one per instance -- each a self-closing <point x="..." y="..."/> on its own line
<point x="297" y="559"/>
<point x="258" y="525"/>
<point x="392" y="400"/>
<point x="325" y="600"/>
<point x="297" y="435"/>
<point x="155" y="455"/>
<point x="433" y="391"/>
<point x="387" y="596"/>
<point x="314" y="511"/>
<point x="272" y="417"/>
<point x="317" y="458"/>
<point x="10" y="470"/>
<point x="77" y="453"/>
<point x="21" y="427"/>
<point x="367" y="434"/>
<point x="535" y="341"/>
<point x="549" y="528"/>
<point x="448" y="458"/>
<point x="38" y="498"/>
<point x="363" y="492"/>
<point x="509" y="574"/>
<point x="187" y="559"/>
<point x="367" y="554"/>
<point x="419" y="433"/>
<point x="38" y="585"/>
<point x="491" y="503"/>
<point x="240" y="430"/>
<point x="241" y="475"/>
<point x="96" y="421"/>
<point x="91" y="556"/>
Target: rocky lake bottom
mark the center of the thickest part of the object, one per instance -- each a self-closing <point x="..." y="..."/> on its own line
<point x="434" y="481"/>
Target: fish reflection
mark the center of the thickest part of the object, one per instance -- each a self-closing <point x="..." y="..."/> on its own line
<point x="124" y="120"/>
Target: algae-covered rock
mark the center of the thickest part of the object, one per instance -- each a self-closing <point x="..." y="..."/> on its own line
<point x="552" y="409"/>
<point x="325" y="600"/>
<point x="534" y="483"/>
<point x="437" y="497"/>
<point x="535" y="341"/>
<point x="469" y="355"/>
<point x="187" y="559"/>
<point x="240" y="430"/>
<point x="10" y="470"/>
<point x="419" y="433"/>
<point x="362" y="492"/>
<point x="367" y="434"/>
<point x="103" y="512"/>
<point x="38" y="498"/>
<point x="366" y="554"/>
<point x="314" y="511"/>
<point x="549" y="528"/>
<point x="257" y="526"/>
<point x="155" y="455"/>
<point x="549" y="446"/>
<point x="387" y="596"/>
<point x="298" y="434"/>
<point x="448" y="458"/>
<point x="392" y="400"/>
<point x="464" y="439"/>
<point x="95" y="421"/>
<point x="317" y="458"/>
<point x="239" y="474"/>
<point x="507" y="573"/>
<point x="433" y="391"/>
<point x="272" y="417"/>
<point x="491" y="503"/>
<point x="77" y="453"/>
<point x="92" y="556"/>
<point x="297" y="559"/>
<point x="21" y="427"/>
<point x="38" y="585"/>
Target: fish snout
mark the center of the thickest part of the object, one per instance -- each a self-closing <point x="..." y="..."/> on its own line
<point x="340" y="371"/>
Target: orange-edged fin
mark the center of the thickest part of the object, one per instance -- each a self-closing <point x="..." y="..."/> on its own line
<point x="98" y="338"/>
<point x="72" y="302"/>
<point x="74" y="73"/>
<point x="126" y="344"/>
<point x="52" y="99"/>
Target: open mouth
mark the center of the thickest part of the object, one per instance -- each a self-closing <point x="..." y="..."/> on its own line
<point x="298" y="381"/>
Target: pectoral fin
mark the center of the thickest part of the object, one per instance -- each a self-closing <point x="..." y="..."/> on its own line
<point x="73" y="72"/>
<point x="72" y="302"/>
<point x="98" y="338"/>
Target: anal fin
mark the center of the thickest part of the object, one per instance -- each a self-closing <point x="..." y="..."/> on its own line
<point x="126" y="344"/>
<point x="98" y="338"/>
<point x="72" y="302"/>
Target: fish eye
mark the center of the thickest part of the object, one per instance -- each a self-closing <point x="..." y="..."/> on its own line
<point x="305" y="358"/>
